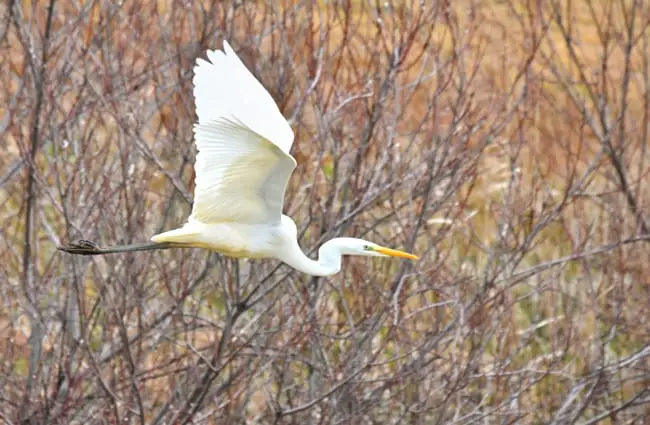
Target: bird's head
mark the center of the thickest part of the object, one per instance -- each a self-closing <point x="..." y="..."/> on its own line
<point x="354" y="246"/>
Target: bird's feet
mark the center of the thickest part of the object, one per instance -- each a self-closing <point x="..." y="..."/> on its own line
<point x="82" y="247"/>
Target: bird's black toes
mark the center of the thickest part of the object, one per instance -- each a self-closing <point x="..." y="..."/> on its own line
<point x="82" y="243"/>
<point x="82" y="247"/>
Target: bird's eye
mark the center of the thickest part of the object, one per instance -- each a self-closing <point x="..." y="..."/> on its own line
<point x="367" y="248"/>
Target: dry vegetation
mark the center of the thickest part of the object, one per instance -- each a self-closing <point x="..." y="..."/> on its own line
<point x="503" y="141"/>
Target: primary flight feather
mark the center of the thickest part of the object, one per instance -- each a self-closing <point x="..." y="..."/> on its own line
<point x="242" y="169"/>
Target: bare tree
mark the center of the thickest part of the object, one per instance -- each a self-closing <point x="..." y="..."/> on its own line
<point x="504" y="142"/>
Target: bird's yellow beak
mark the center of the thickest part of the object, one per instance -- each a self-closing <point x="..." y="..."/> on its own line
<point x="395" y="253"/>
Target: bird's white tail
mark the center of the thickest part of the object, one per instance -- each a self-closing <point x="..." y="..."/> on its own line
<point x="185" y="235"/>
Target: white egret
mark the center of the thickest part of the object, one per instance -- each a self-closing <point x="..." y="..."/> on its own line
<point x="242" y="170"/>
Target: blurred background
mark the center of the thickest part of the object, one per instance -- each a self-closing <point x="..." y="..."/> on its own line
<point x="505" y="142"/>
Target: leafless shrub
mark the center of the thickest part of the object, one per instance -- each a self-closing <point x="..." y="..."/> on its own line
<point x="504" y="142"/>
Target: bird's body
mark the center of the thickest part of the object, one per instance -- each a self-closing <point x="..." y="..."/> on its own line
<point x="232" y="239"/>
<point x="242" y="170"/>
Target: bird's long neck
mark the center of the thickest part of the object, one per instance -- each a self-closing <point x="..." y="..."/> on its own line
<point x="329" y="259"/>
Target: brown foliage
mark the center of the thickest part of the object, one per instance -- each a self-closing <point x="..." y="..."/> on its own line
<point x="504" y="142"/>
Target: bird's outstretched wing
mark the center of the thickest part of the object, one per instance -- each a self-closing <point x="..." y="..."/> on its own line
<point x="243" y="162"/>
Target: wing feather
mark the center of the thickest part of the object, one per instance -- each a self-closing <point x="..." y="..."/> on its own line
<point x="243" y="163"/>
<point x="240" y="176"/>
<point x="226" y="88"/>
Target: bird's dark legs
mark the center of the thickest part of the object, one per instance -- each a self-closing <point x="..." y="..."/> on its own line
<point x="84" y="247"/>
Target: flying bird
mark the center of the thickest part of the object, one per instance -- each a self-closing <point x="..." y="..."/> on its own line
<point x="242" y="169"/>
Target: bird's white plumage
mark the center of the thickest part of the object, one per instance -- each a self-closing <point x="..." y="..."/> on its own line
<point x="242" y="169"/>
<point x="243" y="163"/>
<point x="224" y="87"/>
